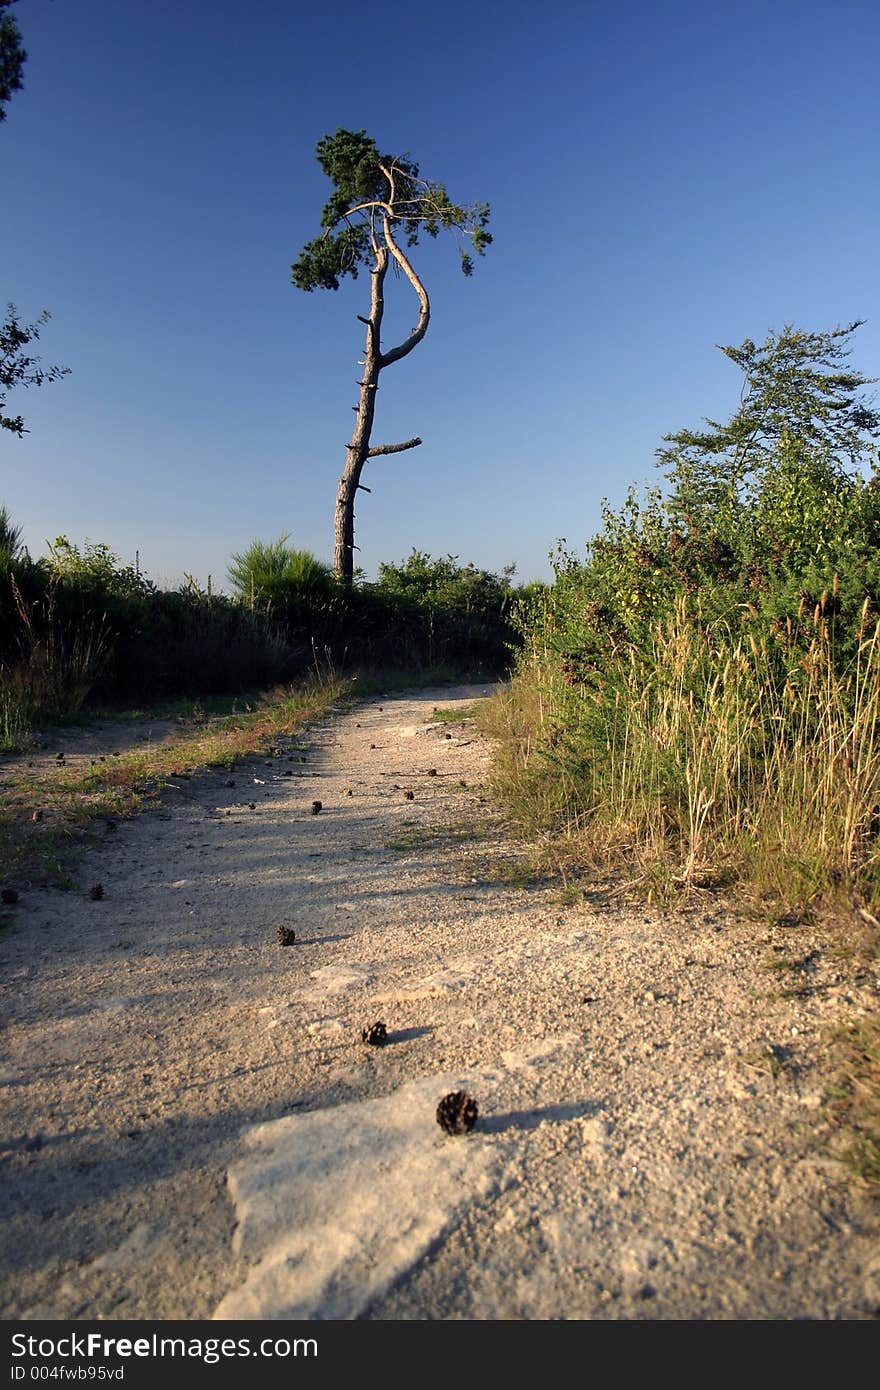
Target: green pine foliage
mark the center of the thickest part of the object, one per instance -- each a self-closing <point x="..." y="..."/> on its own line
<point x="275" y="575"/>
<point x="12" y="55"/>
<point x="366" y="184"/>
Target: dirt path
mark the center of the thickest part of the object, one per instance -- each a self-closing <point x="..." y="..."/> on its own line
<point x="195" y="1126"/>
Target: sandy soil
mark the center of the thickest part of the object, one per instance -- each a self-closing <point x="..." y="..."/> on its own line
<point x="195" y="1128"/>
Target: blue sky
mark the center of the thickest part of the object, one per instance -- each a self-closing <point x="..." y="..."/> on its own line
<point x="662" y="176"/>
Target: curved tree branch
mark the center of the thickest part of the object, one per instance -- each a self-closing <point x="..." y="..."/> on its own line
<point x="421" y="328"/>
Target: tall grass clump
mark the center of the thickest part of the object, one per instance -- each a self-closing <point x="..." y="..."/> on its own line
<point x="52" y="667"/>
<point x="698" y="701"/>
<point x="274" y="574"/>
<point x="706" y="754"/>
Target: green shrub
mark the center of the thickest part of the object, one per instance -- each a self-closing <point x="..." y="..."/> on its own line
<point x="274" y="575"/>
<point x="700" y="693"/>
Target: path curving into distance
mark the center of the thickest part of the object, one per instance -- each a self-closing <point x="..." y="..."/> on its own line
<point x="196" y="1128"/>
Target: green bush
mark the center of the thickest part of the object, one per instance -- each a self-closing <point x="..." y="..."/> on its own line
<point x="273" y="575"/>
<point x="702" y="690"/>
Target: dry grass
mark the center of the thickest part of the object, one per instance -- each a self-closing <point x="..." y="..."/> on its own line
<point x="74" y="802"/>
<point x="855" y="1101"/>
<point x="710" y="759"/>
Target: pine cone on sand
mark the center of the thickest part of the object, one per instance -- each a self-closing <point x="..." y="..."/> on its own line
<point x="376" y="1035"/>
<point x="286" y="936"/>
<point x="96" y="892"/>
<point x="457" y="1112"/>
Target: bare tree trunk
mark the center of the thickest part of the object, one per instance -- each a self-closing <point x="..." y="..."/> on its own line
<point x="374" y="360"/>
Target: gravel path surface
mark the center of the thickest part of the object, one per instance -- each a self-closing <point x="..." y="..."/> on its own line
<point x="195" y="1128"/>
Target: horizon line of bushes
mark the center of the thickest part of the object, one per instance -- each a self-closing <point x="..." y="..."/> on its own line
<point x="79" y="628"/>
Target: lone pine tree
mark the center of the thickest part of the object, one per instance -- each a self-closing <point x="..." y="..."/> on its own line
<point x="379" y="205"/>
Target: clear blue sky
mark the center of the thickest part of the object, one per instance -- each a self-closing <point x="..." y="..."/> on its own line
<point x="663" y="177"/>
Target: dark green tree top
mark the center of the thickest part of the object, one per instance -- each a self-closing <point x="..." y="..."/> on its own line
<point x="378" y="199"/>
<point x="12" y="56"/>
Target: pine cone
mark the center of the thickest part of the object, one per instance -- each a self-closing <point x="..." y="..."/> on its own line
<point x="409" y="796"/>
<point x="96" y="892"/>
<point x="317" y="807"/>
<point x="457" y="1112"/>
<point x="376" y="1035"/>
<point x="286" y="936"/>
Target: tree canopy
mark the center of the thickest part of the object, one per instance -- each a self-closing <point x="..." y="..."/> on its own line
<point x="798" y="391"/>
<point x="375" y="197"/>
<point x="12" y="56"/>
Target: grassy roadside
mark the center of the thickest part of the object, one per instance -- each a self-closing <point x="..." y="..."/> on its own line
<point x="45" y="817"/>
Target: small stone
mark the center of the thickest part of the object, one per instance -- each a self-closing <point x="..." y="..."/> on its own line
<point x="230" y="782"/>
<point x="317" y="807"/>
<point x="37" y="815"/>
<point x="457" y="1112"/>
<point x="376" y="1035"/>
<point x="447" y="735"/>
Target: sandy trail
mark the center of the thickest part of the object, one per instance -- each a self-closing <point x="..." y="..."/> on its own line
<point x="194" y="1126"/>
